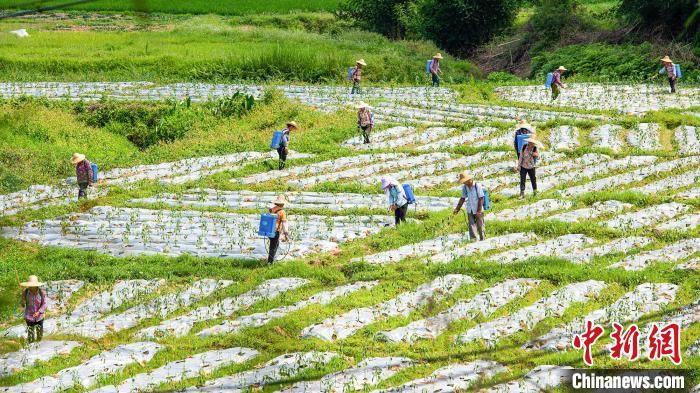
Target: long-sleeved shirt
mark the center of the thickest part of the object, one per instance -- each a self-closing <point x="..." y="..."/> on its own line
<point x="365" y="118"/>
<point x="670" y="70"/>
<point x="527" y="158"/>
<point x="396" y="196"/>
<point x="32" y="303"/>
<point x="281" y="225"/>
<point x="556" y="78"/>
<point x="357" y="74"/>
<point x="434" y="66"/>
<point x="285" y="138"/>
<point x="83" y="172"/>
<point x="472" y="195"/>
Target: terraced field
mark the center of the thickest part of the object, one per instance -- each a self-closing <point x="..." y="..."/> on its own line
<point x="184" y="301"/>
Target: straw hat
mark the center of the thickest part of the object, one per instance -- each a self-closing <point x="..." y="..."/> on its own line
<point x="524" y="124"/>
<point x="293" y="124"/>
<point x="666" y="59"/>
<point x="562" y="68"/>
<point x="437" y="56"/>
<point x="361" y="62"/>
<point x="77" y="157"/>
<point x="33" y="282"/>
<point x="280" y="200"/>
<point x="361" y="105"/>
<point x="535" y="142"/>
<point x="464" y="177"/>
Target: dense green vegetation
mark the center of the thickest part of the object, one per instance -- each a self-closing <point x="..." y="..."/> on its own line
<point x="216" y="51"/>
<point x="222" y="7"/>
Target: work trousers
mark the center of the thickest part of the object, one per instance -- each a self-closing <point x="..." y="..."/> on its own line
<point x="355" y="87"/>
<point x="436" y="80"/>
<point x="282" y="153"/>
<point x="82" y="190"/>
<point x="365" y="133"/>
<point x="533" y="178"/>
<point x="400" y="214"/>
<point x="672" y="83"/>
<point x="35" y="330"/>
<point x="274" y="245"/>
<point x="477" y="230"/>
<point x="555" y="92"/>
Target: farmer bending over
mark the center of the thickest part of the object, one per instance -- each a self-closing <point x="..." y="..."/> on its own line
<point x="670" y="70"/>
<point x="398" y="203"/>
<point x="473" y="194"/>
<point x="283" y="149"/>
<point x="365" y="120"/>
<point x="83" y="172"/>
<point x="435" y="69"/>
<point x="357" y="76"/>
<point x="34" y="303"/>
<point x="556" y="82"/>
<point x="280" y="228"/>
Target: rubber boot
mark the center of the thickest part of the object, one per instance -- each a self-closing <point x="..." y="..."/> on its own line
<point x="522" y="195"/>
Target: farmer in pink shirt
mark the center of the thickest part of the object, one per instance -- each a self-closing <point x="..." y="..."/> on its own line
<point x="435" y="69"/>
<point x="670" y="70"/>
<point x="556" y="82"/>
<point x="34" y="303"/>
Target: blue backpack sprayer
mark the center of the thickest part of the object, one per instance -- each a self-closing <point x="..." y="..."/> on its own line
<point x="267" y="229"/>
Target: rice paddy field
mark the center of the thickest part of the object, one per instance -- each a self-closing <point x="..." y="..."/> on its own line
<point x="157" y="281"/>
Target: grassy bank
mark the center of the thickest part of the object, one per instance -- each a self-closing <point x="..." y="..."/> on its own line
<point x="224" y="7"/>
<point x="212" y="48"/>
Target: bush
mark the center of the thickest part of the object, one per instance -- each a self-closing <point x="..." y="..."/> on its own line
<point x="459" y="26"/>
<point x="550" y="19"/>
<point x="606" y="62"/>
<point x="381" y="16"/>
<point x="236" y="105"/>
<point x="671" y="18"/>
<point x="143" y="125"/>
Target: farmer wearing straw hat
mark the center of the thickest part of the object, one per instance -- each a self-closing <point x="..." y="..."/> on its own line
<point x="556" y="82"/>
<point x="473" y="194"/>
<point x="527" y="163"/>
<point x="670" y="70"/>
<point x="34" y="303"/>
<point x="281" y="226"/>
<point x="398" y="203"/>
<point x="283" y="148"/>
<point x="435" y="69"/>
<point x="83" y="173"/>
<point x="357" y="76"/>
<point x="522" y="128"/>
<point x="365" y="120"/>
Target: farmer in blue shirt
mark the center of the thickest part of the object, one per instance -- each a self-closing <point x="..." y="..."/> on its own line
<point x="473" y="194"/>
<point x="283" y="149"/>
<point x="398" y="203"/>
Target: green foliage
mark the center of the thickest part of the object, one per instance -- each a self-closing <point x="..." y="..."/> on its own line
<point x="672" y="18"/>
<point x="381" y="16"/>
<point x="552" y="17"/>
<point x="222" y="7"/>
<point x="605" y="62"/>
<point x="233" y="106"/>
<point x="461" y="25"/>
<point x="143" y="125"/>
<point x="218" y="52"/>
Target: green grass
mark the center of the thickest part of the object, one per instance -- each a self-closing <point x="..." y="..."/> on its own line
<point x="223" y="7"/>
<point x="214" y="49"/>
